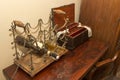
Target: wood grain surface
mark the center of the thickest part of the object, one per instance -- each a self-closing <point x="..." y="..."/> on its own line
<point x="72" y="66"/>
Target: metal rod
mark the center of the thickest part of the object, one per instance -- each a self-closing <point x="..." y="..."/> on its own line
<point x="16" y="53"/>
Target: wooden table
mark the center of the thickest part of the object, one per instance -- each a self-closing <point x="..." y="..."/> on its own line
<point x="72" y="66"/>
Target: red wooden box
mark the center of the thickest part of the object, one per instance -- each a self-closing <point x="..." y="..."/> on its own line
<point x="75" y="37"/>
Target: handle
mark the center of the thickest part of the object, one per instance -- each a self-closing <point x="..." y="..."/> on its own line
<point x="19" y="23"/>
<point x="58" y="11"/>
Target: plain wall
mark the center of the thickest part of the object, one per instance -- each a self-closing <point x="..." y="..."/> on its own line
<point x="25" y="11"/>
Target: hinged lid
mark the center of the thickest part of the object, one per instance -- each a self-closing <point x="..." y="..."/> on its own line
<point x="60" y="13"/>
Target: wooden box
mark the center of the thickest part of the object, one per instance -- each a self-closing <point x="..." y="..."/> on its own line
<point x="75" y="37"/>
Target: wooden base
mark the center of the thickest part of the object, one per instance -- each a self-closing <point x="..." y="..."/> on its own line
<point x="38" y="63"/>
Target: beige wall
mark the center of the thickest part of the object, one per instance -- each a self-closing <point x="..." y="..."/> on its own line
<point x="26" y="11"/>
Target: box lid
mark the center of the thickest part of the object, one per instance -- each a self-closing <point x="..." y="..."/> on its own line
<point x="60" y="13"/>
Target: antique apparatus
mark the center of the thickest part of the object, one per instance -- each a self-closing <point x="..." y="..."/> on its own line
<point x="35" y="47"/>
<point x="68" y="30"/>
<point x="74" y="36"/>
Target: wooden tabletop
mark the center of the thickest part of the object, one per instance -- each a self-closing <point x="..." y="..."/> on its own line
<point x="72" y="66"/>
